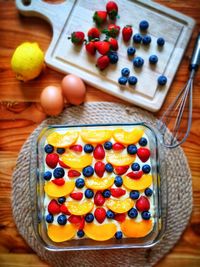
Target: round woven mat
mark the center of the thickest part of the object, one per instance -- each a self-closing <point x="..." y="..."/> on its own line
<point x="179" y="193"/>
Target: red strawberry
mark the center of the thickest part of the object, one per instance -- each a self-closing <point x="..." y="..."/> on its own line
<point x="142" y="204"/>
<point x="75" y="219"/>
<point x="73" y="173"/>
<point x="90" y="48"/>
<point x="93" y="33"/>
<point x="53" y="207"/>
<point x="100" y="214"/>
<point x="117" y="192"/>
<point x="119" y="170"/>
<point x="127" y="33"/>
<point x="99" y="199"/>
<point x="113" y="43"/>
<point x="120" y="217"/>
<point x="112" y="30"/>
<point x="135" y="175"/>
<point x="77" y="38"/>
<point x="52" y="160"/>
<point x="103" y="62"/>
<point x="76" y="195"/>
<point x="99" y="168"/>
<point x="82" y="224"/>
<point x="143" y="153"/>
<point x="76" y="148"/>
<point x="59" y="181"/>
<point x="100" y="17"/>
<point x="62" y="164"/>
<point x="102" y="47"/>
<point x="118" y="146"/>
<point x="64" y="210"/>
<point x="99" y="152"/>
<point x="112" y="10"/>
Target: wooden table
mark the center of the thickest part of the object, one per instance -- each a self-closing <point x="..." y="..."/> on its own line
<point x="19" y="102"/>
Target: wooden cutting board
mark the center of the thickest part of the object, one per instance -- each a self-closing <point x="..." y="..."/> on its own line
<point x="76" y="15"/>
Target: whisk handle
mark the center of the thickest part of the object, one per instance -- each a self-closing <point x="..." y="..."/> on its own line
<point x="195" y="60"/>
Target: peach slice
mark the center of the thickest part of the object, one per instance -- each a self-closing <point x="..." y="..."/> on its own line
<point x="58" y="233"/>
<point x="76" y="162"/>
<point x="54" y="190"/>
<point x="126" y="137"/>
<point x="97" y="183"/>
<point x="118" y="159"/>
<point x="131" y="228"/>
<point x="137" y="184"/>
<point x="100" y="232"/>
<point x="62" y="140"/>
<point x="120" y="206"/>
<point x="80" y="208"/>
<point x="96" y="136"/>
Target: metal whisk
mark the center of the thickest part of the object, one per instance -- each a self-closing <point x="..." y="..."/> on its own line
<point x="174" y="113"/>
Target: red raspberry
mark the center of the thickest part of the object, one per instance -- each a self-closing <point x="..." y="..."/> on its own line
<point x="52" y="160"/>
<point x="53" y="207"/>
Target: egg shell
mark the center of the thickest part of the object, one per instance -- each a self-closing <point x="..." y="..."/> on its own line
<point x="73" y="89"/>
<point x="52" y="100"/>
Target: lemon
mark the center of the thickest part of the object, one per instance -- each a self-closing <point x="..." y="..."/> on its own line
<point x="27" y="61"/>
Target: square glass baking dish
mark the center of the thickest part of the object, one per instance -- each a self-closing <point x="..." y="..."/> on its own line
<point x="158" y="201"/>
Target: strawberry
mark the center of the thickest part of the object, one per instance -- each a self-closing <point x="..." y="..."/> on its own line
<point x="112" y="30"/>
<point x="77" y="38"/>
<point x="102" y="47"/>
<point x="53" y="207"/>
<point x="93" y="33"/>
<point x="59" y="181"/>
<point x="99" y="168"/>
<point x="100" y="17"/>
<point x="64" y="210"/>
<point x="75" y="219"/>
<point x="142" y="204"/>
<point x="62" y="164"/>
<point x="143" y="153"/>
<point x="76" y="195"/>
<point x="99" y="152"/>
<point x="103" y="62"/>
<point x="135" y="175"/>
<point x="112" y="10"/>
<point x="73" y="173"/>
<point x="118" y="146"/>
<point x="52" y="160"/>
<point x="127" y="33"/>
<point x="117" y="192"/>
<point x="90" y="48"/>
<point x="120" y="217"/>
<point x="113" y="43"/>
<point x="119" y="170"/>
<point x="99" y="199"/>
<point x="100" y="214"/>
<point x="82" y="224"/>
<point x="76" y="148"/>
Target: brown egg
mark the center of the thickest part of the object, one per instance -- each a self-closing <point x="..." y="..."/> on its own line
<point x="52" y="100"/>
<point x="73" y="89"/>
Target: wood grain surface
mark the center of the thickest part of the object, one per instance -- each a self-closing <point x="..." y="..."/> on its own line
<point x="20" y="100"/>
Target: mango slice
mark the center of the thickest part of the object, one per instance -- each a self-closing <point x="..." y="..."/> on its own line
<point x="100" y="232"/>
<point x="137" y="184"/>
<point x="54" y="190"/>
<point x="131" y="228"/>
<point x="80" y="208"/>
<point x="120" y="206"/>
<point x="118" y="159"/>
<point x="96" y="136"/>
<point x="58" y="233"/>
<point x="62" y="140"/>
<point x="97" y="183"/>
<point x="128" y="138"/>
<point x="76" y="161"/>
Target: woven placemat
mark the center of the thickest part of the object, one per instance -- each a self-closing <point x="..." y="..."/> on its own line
<point x="179" y="192"/>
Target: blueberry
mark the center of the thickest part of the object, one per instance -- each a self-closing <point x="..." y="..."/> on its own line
<point x="47" y="175"/>
<point x="146" y="40"/>
<point x="146" y="168"/>
<point x="132" y="80"/>
<point x="131" y="51"/>
<point x="58" y="172"/>
<point x="88" y="171"/>
<point x="134" y="194"/>
<point x="143" y="141"/>
<point x="132" y="213"/>
<point x="118" y="235"/>
<point x="80" y="233"/>
<point x="118" y="181"/>
<point x="137" y="38"/>
<point x="61" y="200"/>
<point x="62" y="219"/>
<point x="162" y="80"/>
<point x="122" y="80"/>
<point x="138" y="62"/>
<point x="89" y="218"/>
<point x="146" y="215"/>
<point x="110" y="214"/>
<point x="109" y="167"/>
<point x="88" y="148"/>
<point x="135" y="166"/>
<point x="49" y="218"/>
<point x="144" y="25"/>
<point x="125" y="72"/>
<point x="160" y="41"/>
<point x="153" y="59"/>
<point x="106" y="193"/>
<point x="148" y="192"/>
<point x="48" y="148"/>
<point x="131" y="149"/>
<point x="108" y="145"/>
<point x="80" y="183"/>
<point x="113" y="56"/>
<point x="89" y="193"/>
<point x="60" y="150"/>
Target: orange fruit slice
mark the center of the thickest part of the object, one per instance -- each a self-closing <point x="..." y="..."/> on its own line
<point x="80" y="208"/>
<point x="54" y="190"/>
<point x="58" y="233"/>
<point x="75" y="161"/>
<point x="120" y="206"/>
<point x="126" y="137"/>
<point x="118" y="159"/>
<point x="100" y="232"/>
<point x="137" y="184"/>
<point x="96" y="136"/>
<point x="97" y="183"/>
<point x="62" y="140"/>
<point x="131" y="228"/>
